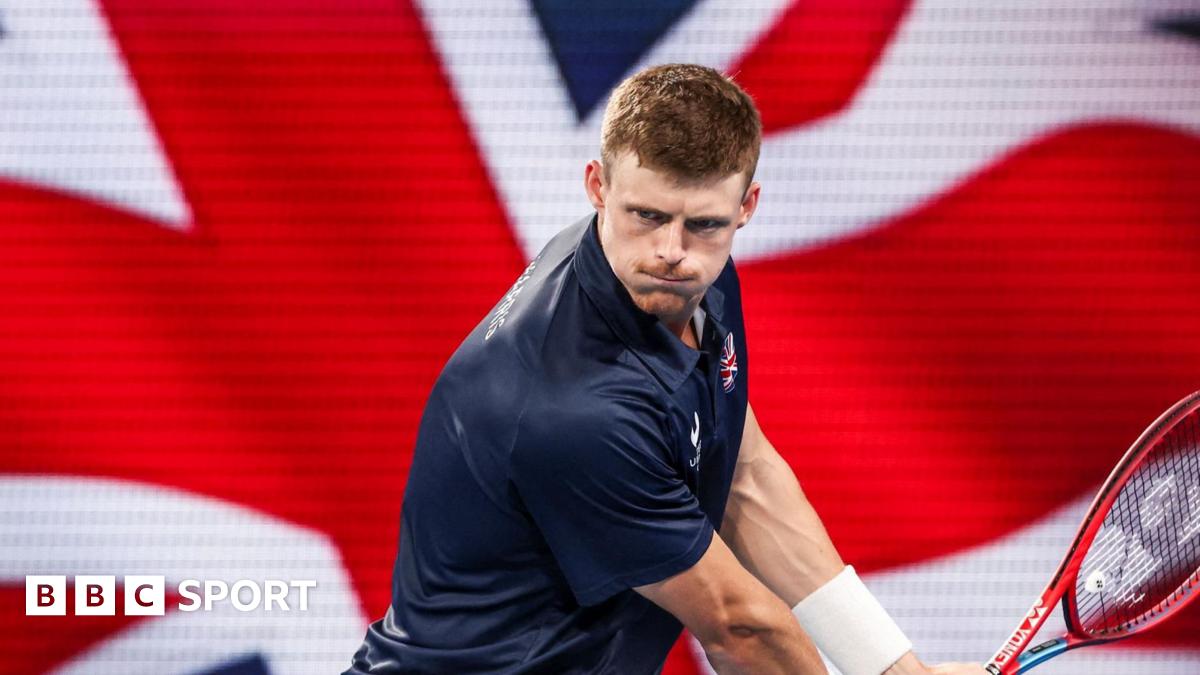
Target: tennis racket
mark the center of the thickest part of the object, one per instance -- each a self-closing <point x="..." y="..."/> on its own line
<point x="1136" y="559"/>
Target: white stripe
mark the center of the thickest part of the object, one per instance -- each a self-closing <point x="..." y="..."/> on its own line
<point x="72" y="526"/>
<point x="72" y="118"/>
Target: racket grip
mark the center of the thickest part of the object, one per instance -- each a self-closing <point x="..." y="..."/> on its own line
<point x="1043" y="652"/>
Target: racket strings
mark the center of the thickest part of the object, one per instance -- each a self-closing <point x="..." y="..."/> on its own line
<point x="1146" y="557"/>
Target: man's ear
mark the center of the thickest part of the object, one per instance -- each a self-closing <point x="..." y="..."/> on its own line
<point x="593" y="184"/>
<point x="749" y="203"/>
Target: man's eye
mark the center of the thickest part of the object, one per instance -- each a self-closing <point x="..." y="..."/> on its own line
<point x="706" y="225"/>
<point x="647" y="215"/>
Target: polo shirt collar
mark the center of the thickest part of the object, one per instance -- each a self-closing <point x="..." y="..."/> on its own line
<point x="664" y="353"/>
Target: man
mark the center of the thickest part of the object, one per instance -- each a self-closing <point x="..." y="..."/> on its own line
<point x="588" y="472"/>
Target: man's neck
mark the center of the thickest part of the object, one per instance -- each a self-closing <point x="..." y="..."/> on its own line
<point x="686" y="330"/>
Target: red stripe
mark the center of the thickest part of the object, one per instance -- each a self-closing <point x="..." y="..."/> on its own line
<point x="966" y="369"/>
<point x="815" y="57"/>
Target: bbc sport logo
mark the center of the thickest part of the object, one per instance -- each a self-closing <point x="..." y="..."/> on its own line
<point x="145" y="595"/>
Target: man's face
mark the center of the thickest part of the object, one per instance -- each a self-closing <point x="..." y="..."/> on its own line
<point x="665" y="241"/>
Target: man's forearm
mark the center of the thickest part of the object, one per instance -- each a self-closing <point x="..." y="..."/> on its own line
<point x="777" y="645"/>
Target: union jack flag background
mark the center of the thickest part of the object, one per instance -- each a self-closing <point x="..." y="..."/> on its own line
<point x="239" y="238"/>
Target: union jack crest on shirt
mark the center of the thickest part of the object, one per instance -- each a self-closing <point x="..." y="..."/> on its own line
<point x="728" y="364"/>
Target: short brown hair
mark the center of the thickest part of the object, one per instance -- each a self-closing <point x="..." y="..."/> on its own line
<point x="685" y="119"/>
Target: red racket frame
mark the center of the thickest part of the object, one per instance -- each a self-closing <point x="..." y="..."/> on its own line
<point x="1062" y="585"/>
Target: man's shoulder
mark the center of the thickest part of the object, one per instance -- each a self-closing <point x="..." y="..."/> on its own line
<point x="506" y="342"/>
<point x="547" y="331"/>
<point x="545" y="340"/>
<point x="526" y="308"/>
<point x="594" y="390"/>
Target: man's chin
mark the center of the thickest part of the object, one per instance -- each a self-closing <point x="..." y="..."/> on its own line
<point x="661" y="304"/>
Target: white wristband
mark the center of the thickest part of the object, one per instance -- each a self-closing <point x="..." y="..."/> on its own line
<point x="849" y="625"/>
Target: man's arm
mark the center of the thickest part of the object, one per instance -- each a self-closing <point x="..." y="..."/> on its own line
<point x="742" y="625"/>
<point x="770" y="525"/>
<point x="777" y="535"/>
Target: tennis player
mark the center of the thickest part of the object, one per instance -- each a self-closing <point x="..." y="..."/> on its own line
<point x="589" y="475"/>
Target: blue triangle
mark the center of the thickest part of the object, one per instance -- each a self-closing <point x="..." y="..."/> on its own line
<point x="596" y="43"/>
<point x="1186" y="25"/>
<point x="250" y="665"/>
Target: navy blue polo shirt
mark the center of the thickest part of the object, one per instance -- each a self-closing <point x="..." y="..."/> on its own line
<point x="571" y="449"/>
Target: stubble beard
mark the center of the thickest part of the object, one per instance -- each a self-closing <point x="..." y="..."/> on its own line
<point x="668" y="307"/>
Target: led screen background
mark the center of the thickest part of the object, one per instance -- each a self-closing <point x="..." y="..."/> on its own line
<point x="239" y="239"/>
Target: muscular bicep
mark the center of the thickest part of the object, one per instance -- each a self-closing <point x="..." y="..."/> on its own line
<point x="757" y="477"/>
<point x="761" y="475"/>
<point x="770" y="524"/>
<point x="754" y="442"/>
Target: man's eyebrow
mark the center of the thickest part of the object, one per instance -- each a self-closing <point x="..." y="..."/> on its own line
<point x="720" y="220"/>
<point x="640" y="207"/>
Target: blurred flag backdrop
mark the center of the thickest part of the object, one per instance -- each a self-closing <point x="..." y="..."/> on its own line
<point x="238" y="239"/>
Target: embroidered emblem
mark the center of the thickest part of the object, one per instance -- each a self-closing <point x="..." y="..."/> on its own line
<point x="729" y="367"/>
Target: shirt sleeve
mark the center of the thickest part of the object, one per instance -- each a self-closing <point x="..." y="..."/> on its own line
<point x="614" y="511"/>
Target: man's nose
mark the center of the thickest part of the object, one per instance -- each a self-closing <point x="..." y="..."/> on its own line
<point x="670" y="243"/>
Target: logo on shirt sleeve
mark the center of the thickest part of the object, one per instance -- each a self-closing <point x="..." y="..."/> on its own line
<point x="728" y="364"/>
